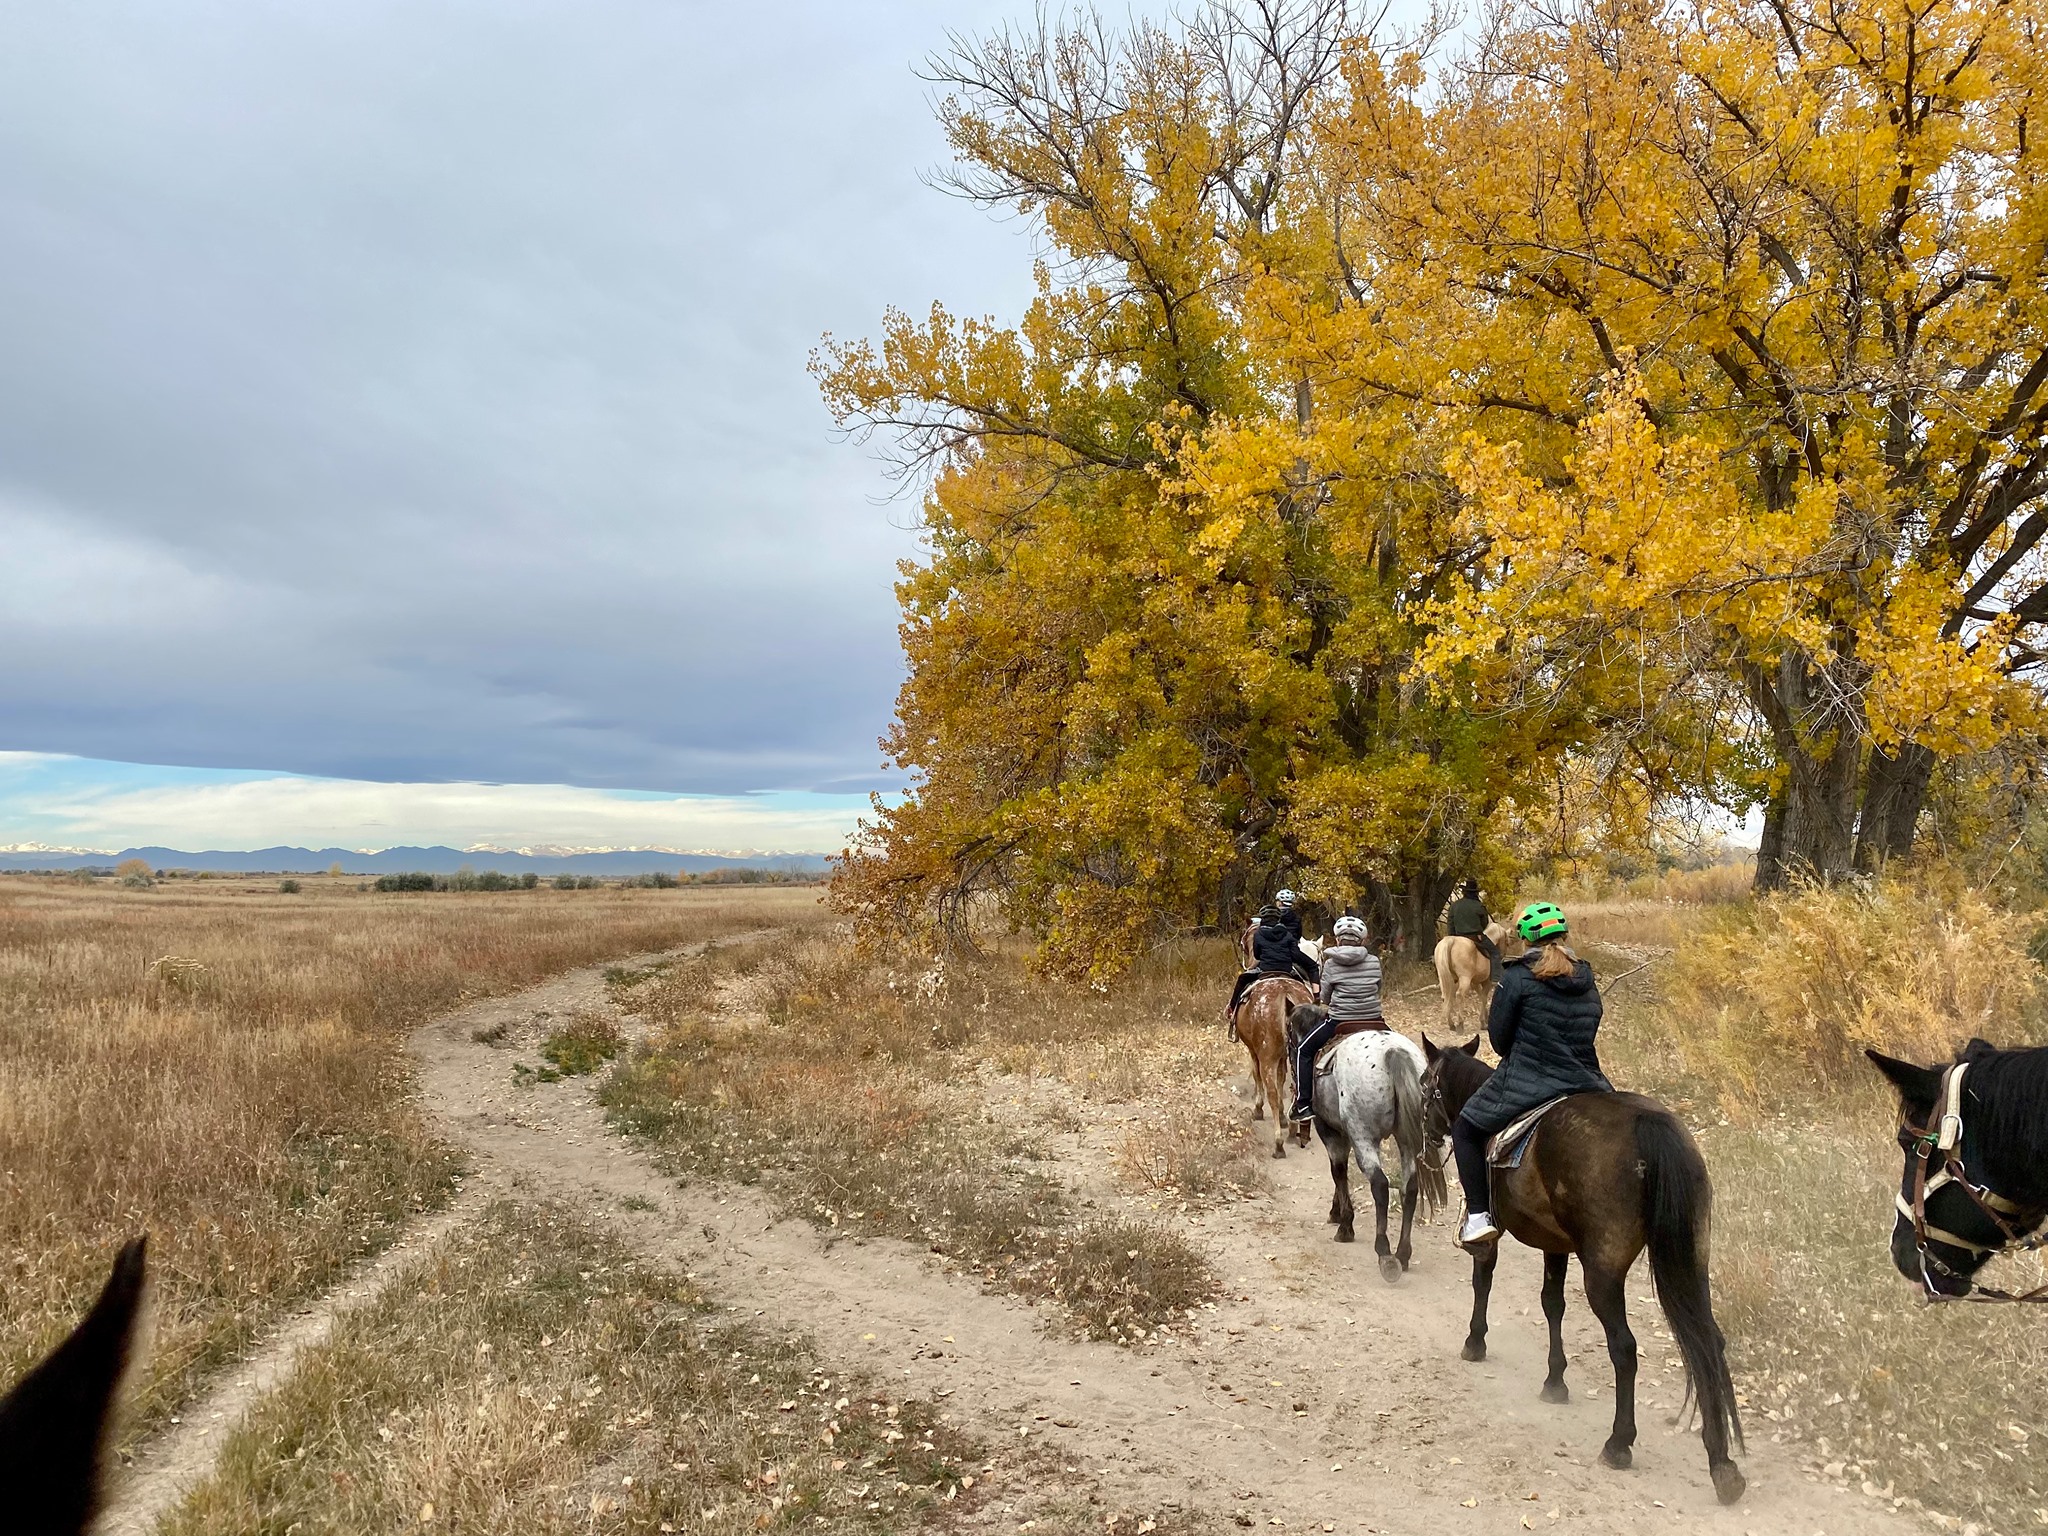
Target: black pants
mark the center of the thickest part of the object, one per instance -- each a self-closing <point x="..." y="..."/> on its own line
<point x="1468" y="1146"/>
<point x="1305" y="1062"/>
<point x="1489" y="949"/>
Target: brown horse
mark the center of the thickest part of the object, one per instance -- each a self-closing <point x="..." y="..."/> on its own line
<point x="1606" y="1176"/>
<point x="56" y="1424"/>
<point x="1262" y="1025"/>
<point x="1463" y="971"/>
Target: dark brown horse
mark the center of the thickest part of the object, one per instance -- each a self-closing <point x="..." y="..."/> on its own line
<point x="1606" y="1176"/>
<point x="55" y="1424"/>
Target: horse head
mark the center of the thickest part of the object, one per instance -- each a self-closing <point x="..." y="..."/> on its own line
<point x="1301" y="1018"/>
<point x="56" y="1423"/>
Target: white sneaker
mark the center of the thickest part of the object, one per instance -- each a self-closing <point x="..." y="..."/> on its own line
<point x="1478" y="1228"/>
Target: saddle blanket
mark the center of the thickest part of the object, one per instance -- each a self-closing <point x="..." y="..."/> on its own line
<point x="1346" y="1028"/>
<point x="1507" y="1147"/>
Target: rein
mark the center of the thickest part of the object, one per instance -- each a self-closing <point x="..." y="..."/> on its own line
<point x="2015" y="1223"/>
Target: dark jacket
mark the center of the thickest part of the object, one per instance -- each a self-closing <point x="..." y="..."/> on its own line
<point x="1544" y="1032"/>
<point x="1276" y="948"/>
<point x="1467" y="916"/>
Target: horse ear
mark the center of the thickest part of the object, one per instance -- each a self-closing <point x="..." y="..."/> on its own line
<point x="1471" y="1047"/>
<point x="1430" y="1050"/>
<point x="1916" y="1085"/>
<point x="55" y="1424"/>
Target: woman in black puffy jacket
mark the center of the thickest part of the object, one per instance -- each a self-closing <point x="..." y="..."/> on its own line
<point x="1545" y="1016"/>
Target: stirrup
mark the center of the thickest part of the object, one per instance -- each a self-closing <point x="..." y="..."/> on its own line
<point x="1478" y="1230"/>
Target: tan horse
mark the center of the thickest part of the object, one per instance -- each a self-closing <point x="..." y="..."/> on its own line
<point x="1462" y="972"/>
<point x="1262" y="1026"/>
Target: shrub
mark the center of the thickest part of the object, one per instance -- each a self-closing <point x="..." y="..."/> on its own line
<point x="1800" y="983"/>
<point x="528" y="881"/>
<point x="565" y="882"/>
<point x="417" y="881"/>
<point x="288" y="887"/>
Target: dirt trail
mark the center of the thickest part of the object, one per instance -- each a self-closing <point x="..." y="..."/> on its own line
<point x="1317" y="1394"/>
<point x="167" y="1467"/>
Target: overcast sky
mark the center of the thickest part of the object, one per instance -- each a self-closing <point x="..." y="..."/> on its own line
<point x="416" y="392"/>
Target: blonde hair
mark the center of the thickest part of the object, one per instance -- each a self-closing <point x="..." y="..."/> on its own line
<point x="1554" y="958"/>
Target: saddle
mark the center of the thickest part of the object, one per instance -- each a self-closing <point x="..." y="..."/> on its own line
<point x="1346" y="1028"/>
<point x="1512" y="1141"/>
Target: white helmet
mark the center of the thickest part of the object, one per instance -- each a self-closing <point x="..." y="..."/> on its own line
<point x="1349" y="929"/>
<point x="1284" y="899"/>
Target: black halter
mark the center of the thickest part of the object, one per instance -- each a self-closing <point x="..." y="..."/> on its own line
<point x="2015" y="1223"/>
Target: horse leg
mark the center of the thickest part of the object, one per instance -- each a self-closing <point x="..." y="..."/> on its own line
<point x="1483" y="1260"/>
<point x="1390" y="1268"/>
<point x="1276" y="1084"/>
<point x="1338" y="1145"/>
<point x="1411" y="1192"/>
<point x="1605" y="1296"/>
<point x="1554" y="1265"/>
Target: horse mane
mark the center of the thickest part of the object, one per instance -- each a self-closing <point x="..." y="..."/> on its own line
<point x="2007" y="1118"/>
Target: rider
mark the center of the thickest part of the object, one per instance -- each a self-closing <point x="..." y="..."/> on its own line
<point x="1466" y="918"/>
<point x="1276" y="948"/>
<point x="1350" y="990"/>
<point x="1543" y="1022"/>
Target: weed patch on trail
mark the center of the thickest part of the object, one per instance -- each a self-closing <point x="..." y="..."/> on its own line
<point x="532" y="1377"/>
<point x="853" y="1113"/>
<point x="587" y="1042"/>
<point x="225" y="1068"/>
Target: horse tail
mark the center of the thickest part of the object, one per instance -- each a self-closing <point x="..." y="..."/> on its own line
<point x="1678" y="1203"/>
<point x="1406" y="1078"/>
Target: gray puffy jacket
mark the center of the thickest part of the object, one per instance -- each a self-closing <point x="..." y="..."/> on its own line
<point x="1351" y="982"/>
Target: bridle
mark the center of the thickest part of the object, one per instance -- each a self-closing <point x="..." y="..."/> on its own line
<point x="1434" y="1113"/>
<point x="1942" y="1136"/>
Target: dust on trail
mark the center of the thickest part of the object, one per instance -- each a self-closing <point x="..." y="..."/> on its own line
<point x="1314" y="1396"/>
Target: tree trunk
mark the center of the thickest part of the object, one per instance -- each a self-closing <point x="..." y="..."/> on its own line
<point x="1815" y="833"/>
<point x="1422" y="899"/>
<point x="1894" y="787"/>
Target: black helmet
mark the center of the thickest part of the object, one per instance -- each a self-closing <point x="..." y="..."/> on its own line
<point x="1269" y="914"/>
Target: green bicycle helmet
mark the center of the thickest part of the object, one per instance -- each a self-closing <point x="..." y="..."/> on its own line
<point x="1542" y="920"/>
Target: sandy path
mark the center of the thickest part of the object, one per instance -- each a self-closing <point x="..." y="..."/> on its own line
<point x="1317" y="1394"/>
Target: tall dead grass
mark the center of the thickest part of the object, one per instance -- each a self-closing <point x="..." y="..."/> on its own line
<point x="223" y="1066"/>
<point x="1797" y="985"/>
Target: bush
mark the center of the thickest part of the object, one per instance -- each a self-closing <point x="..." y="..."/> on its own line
<point x="288" y="887"/>
<point x="565" y="882"/>
<point x="417" y="881"/>
<point x="1799" y="984"/>
<point x="528" y="881"/>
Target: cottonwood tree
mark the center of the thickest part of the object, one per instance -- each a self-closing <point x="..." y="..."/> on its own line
<point x="1740" y="309"/>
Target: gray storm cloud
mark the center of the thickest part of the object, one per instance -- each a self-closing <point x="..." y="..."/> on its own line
<point x="416" y="391"/>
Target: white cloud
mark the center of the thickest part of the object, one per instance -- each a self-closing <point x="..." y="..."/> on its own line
<point x="69" y="802"/>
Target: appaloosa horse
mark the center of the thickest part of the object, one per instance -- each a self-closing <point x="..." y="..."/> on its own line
<point x="1975" y="1134"/>
<point x="56" y="1424"/>
<point x="1261" y="1023"/>
<point x="1372" y="1093"/>
<point x="1463" y="971"/>
<point x="1606" y="1175"/>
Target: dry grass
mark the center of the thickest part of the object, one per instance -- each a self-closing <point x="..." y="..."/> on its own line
<point x="1935" y="1407"/>
<point x="1798" y="984"/>
<point x="222" y="1065"/>
<point x="531" y="1377"/>
<point x="863" y="1110"/>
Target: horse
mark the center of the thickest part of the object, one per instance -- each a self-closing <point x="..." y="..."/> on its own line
<point x="1975" y="1184"/>
<point x="1373" y="1091"/>
<point x="56" y="1424"/>
<point x="1605" y="1176"/>
<point x="1462" y="971"/>
<point x="1262" y="1025"/>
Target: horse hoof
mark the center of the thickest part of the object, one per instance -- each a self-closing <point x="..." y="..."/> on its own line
<point x="1555" y="1392"/>
<point x="1475" y="1349"/>
<point x="1404" y="1258"/>
<point x="1279" y="1149"/>
<point x="1729" y="1482"/>
<point x="1258" y="1111"/>
<point x="1345" y="1234"/>
<point x="1619" y="1457"/>
<point x="1390" y="1268"/>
